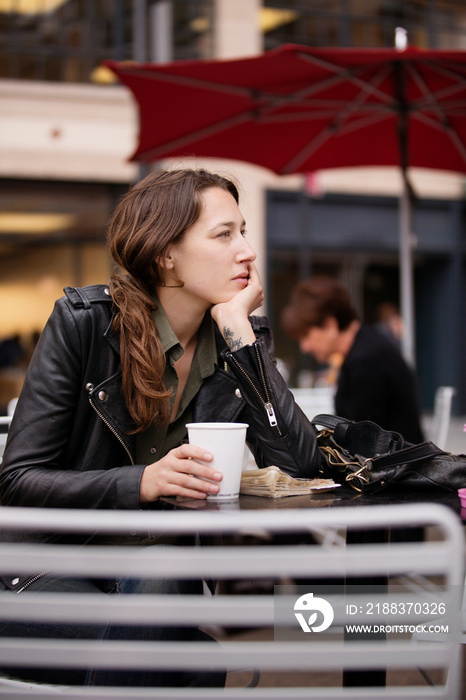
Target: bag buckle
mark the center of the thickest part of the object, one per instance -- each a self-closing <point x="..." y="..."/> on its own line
<point x="361" y="474"/>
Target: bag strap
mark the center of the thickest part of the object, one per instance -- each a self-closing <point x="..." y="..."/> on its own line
<point x="327" y="420"/>
<point x="364" y="438"/>
<point x="404" y="455"/>
<point x="408" y="455"/>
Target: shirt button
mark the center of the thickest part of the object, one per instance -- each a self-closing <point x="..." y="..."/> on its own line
<point x="237" y="393"/>
<point x="153" y="450"/>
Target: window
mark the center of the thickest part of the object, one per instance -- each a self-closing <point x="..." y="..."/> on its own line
<point x="366" y="23"/>
<point x="65" y="40"/>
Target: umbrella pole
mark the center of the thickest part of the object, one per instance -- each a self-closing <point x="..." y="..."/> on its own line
<point x="405" y="214"/>
<point x="406" y="275"/>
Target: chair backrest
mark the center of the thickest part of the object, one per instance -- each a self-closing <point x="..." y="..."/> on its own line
<point x="4" y="425"/>
<point x="442" y="414"/>
<point x="315" y="401"/>
<point x="11" y="406"/>
<point x="293" y="651"/>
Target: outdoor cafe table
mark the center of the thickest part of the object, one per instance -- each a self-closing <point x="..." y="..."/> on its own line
<point x="343" y="496"/>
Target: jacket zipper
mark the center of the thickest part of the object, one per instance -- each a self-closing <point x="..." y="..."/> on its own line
<point x="44" y="573"/>
<point x="113" y="431"/>
<point x="26" y="585"/>
<point x="268" y="406"/>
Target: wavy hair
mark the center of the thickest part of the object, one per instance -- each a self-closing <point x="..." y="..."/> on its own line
<point x="153" y="215"/>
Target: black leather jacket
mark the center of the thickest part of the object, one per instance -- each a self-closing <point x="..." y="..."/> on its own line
<point x="68" y="444"/>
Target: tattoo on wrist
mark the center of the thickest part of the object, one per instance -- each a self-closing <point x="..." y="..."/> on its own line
<point x="233" y="344"/>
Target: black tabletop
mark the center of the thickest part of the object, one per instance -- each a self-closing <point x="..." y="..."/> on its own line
<point x="342" y="496"/>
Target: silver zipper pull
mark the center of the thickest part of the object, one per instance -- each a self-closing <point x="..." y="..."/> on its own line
<point x="270" y="414"/>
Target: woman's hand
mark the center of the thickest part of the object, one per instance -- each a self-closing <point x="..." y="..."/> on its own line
<point x="176" y="475"/>
<point x="232" y="316"/>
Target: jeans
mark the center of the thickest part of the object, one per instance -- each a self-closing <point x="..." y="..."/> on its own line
<point x="98" y="677"/>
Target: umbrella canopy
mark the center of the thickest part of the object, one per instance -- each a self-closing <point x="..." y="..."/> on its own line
<point x="298" y="109"/>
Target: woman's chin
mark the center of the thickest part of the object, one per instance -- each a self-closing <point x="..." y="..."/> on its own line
<point x="225" y="298"/>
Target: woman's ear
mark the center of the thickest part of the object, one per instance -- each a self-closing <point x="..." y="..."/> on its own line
<point x="166" y="262"/>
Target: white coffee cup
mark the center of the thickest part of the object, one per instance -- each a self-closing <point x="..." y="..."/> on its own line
<point x="226" y="442"/>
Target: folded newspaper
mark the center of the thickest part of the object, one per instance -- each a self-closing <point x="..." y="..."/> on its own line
<point x="272" y="482"/>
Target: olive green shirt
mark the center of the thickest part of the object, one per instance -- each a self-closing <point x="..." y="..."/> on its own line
<point x="155" y="442"/>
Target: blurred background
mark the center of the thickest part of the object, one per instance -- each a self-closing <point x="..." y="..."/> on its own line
<point x="68" y="129"/>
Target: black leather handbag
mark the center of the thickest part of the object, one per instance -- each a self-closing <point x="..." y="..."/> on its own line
<point x="368" y="458"/>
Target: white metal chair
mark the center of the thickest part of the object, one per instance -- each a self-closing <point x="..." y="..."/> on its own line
<point x="4" y="424"/>
<point x="315" y="401"/>
<point x="440" y="558"/>
<point x="441" y="415"/>
<point x="11" y="406"/>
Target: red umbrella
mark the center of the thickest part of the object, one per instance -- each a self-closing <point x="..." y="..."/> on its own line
<point x="300" y="109"/>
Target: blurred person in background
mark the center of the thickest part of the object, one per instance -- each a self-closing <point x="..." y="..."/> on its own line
<point x="374" y="381"/>
<point x="13" y="363"/>
<point x="12" y="352"/>
<point x="388" y="320"/>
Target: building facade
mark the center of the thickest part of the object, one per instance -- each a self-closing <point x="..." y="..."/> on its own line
<point x="67" y="132"/>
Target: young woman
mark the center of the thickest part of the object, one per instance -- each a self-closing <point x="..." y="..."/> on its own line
<point x="120" y="370"/>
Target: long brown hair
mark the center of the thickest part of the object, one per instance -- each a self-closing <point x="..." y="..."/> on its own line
<point x="153" y="215"/>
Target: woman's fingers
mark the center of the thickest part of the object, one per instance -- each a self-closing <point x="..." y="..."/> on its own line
<point x="180" y="474"/>
<point x="252" y="296"/>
